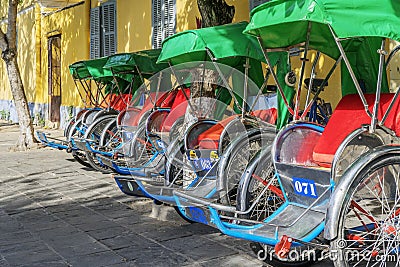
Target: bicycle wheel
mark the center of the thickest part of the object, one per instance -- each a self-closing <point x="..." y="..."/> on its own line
<point x="369" y="218"/>
<point x="94" y="133"/>
<point x="111" y="136"/>
<point x="174" y="172"/>
<point x="261" y="176"/>
<point x="239" y="158"/>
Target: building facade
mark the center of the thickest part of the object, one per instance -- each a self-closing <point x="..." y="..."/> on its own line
<point x="51" y="35"/>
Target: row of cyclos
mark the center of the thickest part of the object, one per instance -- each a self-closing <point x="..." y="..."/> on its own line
<point x="206" y="132"/>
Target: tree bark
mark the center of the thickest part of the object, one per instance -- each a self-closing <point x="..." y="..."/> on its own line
<point x="9" y="55"/>
<point x="215" y="12"/>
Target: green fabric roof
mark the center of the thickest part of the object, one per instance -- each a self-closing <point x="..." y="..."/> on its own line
<point x="95" y="67"/>
<point x="145" y="61"/>
<point x="282" y="23"/>
<point x="78" y="70"/>
<point x="224" y="42"/>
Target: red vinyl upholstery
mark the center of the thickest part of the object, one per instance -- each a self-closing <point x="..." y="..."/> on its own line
<point x="209" y="139"/>
<point x="267" y="115"/>
<point x="348" y="116"/>
<point x="178" y="109"/>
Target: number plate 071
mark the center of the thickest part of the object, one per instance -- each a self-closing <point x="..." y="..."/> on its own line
<point x="305" y="187"/>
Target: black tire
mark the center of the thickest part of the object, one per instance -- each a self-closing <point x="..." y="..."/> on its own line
<point x="94" y="132"/>
<point x="140" y="149"/>
<point x="239" y="158"/>
<point x="368" y="225"/>
<point x="69" y="126"/>
<point x="174" y="173"/>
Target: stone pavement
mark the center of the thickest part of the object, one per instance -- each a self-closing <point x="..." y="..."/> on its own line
<point x="55" y="212"/>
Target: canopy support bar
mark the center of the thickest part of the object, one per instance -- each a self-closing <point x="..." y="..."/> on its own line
<point x="261" y="89"/>
<point x="181" y="85"/>
<point x="382" y="55"/>
<point x="353" y="76"/>
<point x="246" y="79"/>
<point x="312" y="76"/>
<point x="225" y="82"/>
<point x="303" y="67"/>
<point x="321" y="87"/>
<point x="275" y="77"/>
<point x="396" y="95"/>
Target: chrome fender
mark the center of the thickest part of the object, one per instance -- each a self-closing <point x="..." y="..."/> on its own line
<point x="226" y="157"/>
<point x="342" y="189"/>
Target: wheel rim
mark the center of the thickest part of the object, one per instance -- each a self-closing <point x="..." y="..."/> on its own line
<point x="370" y="234"/>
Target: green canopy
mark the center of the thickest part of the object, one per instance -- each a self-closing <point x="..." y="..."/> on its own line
<point x="145" y="61"/>
<point x="362" y="24"/>
<point x="282" y="23"/>
<point x="98" y="73"/>
<point x="227" y="45"/>
<point x="224" y="42"/>
<point x="78" y="70"/>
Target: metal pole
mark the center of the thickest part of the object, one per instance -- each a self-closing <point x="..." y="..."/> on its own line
<point x="246" y="78"/>
<point x="261" y="89"/>
<point x="321" y="87"/>
<point x="183" y="91"/>
<point x="303" y="66"/>
<point x="382" y="55"/>
<point x="280" y="89"/>
<point x="353" y="76"/>
<point x="226" y="84"/>
<point x="312" y="76"/>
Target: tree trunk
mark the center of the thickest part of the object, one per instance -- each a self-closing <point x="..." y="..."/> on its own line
<point x="215" y="12"/>
<point x="26" y="137"/>
<point x="9" y="55"/>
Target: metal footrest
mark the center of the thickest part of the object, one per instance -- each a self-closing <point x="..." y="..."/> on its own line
<point x="129" y="186"/>
<point x="51" y="142"/>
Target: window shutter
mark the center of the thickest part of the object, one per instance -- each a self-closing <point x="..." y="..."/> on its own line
<point x="109" y="28"/>
<point x="163" y="20"/>
<point x="156" y="23"/>
<point x="169" y="18"/>
<point x="95" y="39"/>
<point x="255" y="3"/>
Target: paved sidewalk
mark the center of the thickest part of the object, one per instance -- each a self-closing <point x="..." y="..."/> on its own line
<point x="55" y="212"/>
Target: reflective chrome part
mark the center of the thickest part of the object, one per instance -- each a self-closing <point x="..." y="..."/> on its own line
<point x="342" y="188"/>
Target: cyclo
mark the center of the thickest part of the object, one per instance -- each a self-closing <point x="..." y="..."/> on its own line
<point x="332" y="188"/>
<point x="102" y="101"/>
<point x="239" y="52"/>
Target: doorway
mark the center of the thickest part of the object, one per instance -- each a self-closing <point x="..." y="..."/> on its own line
<point x="54" y="81"/>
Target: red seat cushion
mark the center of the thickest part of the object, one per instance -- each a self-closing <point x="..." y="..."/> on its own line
<point x="393" y="119"/>
<point x="178" y="109"/>
<point x="209" y="139"/>
<point x="267" y="115"/>
<point x="348" y="116"/>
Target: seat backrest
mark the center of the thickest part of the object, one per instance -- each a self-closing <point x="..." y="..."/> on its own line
<point x="268" y="115"/>
<point x="133" y="115"/>
<point x="178" y="109"/>
<point x="209" y="139"/>
<point x="120" y="102"/>
<point x="348" y="116"/>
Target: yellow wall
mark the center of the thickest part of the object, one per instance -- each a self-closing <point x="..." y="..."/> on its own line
<point x="73" y="25"/>
<point x="26" y="56"/>
<point x="333" y="92"/>
<point x="133" y="33"/>
<point x="134" y="25"/>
